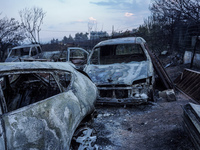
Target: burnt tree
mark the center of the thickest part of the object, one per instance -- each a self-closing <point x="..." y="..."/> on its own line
<point x="32" y="19"/>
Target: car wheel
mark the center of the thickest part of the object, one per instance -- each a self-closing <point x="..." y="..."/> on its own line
<point x="84" y="139"/>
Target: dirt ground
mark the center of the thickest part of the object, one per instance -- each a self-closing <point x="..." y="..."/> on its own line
<point x="152" y="126"/>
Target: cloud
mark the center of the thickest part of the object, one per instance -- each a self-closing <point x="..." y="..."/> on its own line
<point x="112" y="4"/>
<point x="123" y="5"/>
<point x="92" y="19"/>
<point x="102" y="3"/>
<point x="62" y="1"/>
<point x="80" y="21"/>
<point x="128" y="14"/>
<point x="77" y="22"/>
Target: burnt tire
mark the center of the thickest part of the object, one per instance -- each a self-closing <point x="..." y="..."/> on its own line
<point x="84" y="139"/>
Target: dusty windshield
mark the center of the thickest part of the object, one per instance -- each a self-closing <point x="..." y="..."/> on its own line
<point x="121" y="53"/>
<point x="20" y="52"/>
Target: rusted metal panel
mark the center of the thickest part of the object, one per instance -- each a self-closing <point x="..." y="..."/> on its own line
<point x="189" y="83"/>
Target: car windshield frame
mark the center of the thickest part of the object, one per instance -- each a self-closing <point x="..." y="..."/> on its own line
<point x="20" y="52"/>
<point x="57" y="76"/>
<point x="117" y="53"/>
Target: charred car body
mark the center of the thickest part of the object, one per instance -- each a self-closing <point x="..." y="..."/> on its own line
<point x="122" y="71"/>
<point x="21" y="53"/>
<point x="42" y="104"/>
<point x="76" y="55"/>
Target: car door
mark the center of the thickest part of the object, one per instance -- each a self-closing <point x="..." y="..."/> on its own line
<point x="78" y="56"/>
<point x="2" y="135"/>
<point x="48" y="124"/>
<point x="34" y="52"/>
<point x="2" y="129"/>
<point x="45" y="124"/>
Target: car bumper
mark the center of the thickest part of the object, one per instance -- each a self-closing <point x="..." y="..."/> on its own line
<point x="124" y="101"/>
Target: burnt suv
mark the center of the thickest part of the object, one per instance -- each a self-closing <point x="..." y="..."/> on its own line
<point x="24" y="52"/>
<point x="122" y="71"/>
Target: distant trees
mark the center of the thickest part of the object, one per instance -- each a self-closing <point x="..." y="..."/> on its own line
<point x="175" y="10"/>
<point x="170" y="22"/>
<point x="79" y="37"/>
<point x="10" y="34"/>
<point x="32" y="19"/>
<point x="54" y="41"/>
<point x="67" y="40"/>
<point x="179" y="15"/>
<point x="157" y="33"/>
<point x="80" y="40"/>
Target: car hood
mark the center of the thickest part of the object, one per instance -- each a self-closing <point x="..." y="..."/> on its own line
<point x="119" y="73"/>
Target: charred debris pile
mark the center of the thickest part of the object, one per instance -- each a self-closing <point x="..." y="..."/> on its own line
<point x="187" y="82"/>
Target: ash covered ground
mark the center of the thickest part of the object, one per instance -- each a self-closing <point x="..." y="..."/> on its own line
<point x="152" y="126"/>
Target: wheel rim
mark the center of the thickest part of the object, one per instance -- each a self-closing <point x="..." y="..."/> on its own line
<point x="86" y="139"/>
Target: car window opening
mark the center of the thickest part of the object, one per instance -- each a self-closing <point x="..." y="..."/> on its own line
<point x="24" y="89"/>
<point x="78" y="57"/>
<point x="121" y="53"/>
<point x="20" y="52"/>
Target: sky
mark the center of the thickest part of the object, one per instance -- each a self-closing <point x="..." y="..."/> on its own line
<point x="68" y="17"/>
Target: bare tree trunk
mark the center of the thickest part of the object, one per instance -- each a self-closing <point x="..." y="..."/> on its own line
<point x="32" y="20"/>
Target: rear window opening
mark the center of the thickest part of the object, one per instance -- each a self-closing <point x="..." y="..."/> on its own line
<point x="122" y="53"/>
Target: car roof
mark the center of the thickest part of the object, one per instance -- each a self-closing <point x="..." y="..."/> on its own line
<point x="126" y="40"/>
<point x="79" y="49"/>
<point x="28" y="66"/>
<point x="23" y="46"/>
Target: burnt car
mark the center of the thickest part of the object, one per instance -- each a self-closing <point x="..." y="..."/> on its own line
<point x="45" y="105"/>
<point x="76" y="55"/>
<point x="122" y="71"/>
<point x="23" y="52"/>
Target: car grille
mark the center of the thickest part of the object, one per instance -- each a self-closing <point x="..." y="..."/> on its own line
<point x="114" y="91"/>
